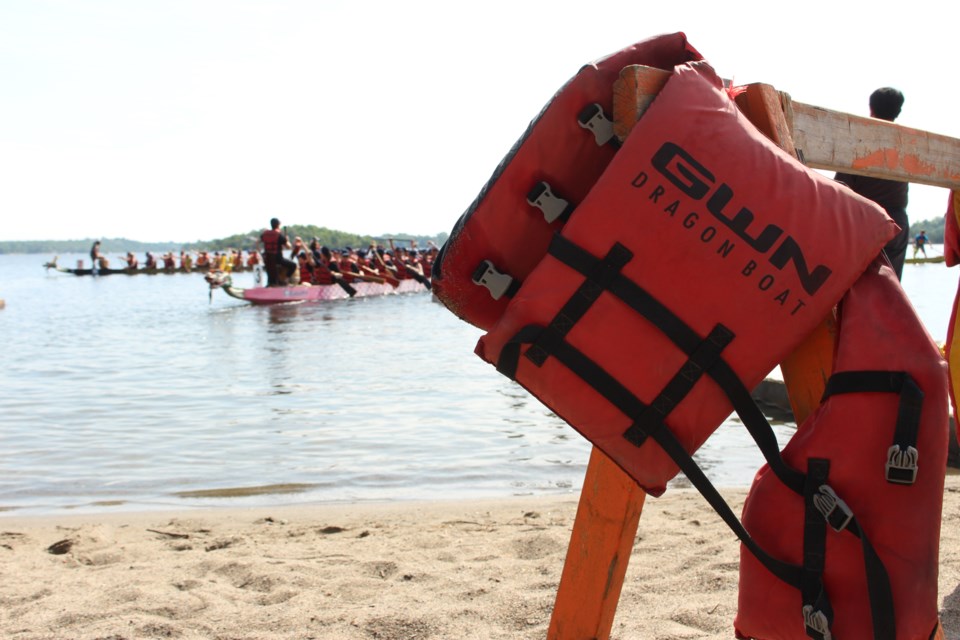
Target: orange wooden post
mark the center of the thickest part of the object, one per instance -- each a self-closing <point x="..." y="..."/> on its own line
<point x="599" y="552"/>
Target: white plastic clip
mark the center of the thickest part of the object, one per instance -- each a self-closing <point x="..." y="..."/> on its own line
<point x="487" y="276"/>
<point x="543" y="198"/>
<point x="816" y="622"/>
<point x="593" y="119"/>
<point x="834" y="510"/>
<point x="902" y="466"/>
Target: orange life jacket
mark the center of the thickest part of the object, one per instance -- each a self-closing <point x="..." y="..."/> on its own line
<point x="685" y="256"/>
<point x="508" y="227"/>
<point x="864" y="526"/>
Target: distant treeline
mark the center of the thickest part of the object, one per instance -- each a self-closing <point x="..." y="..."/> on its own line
<point x="246" y="241"/>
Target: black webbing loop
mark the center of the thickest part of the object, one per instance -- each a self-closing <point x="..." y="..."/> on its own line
<point x="510" y="353"/>
<point x="599" y="277"/>
<point x="687" y="340"/>
<point x="817" y="612"/>
<point x="614" y="392"/>
<point x="701" y="360"/>
<point x="788" y="573"/>
<point x="901" y="462"/>
<point x="878" y="587"/>
<point x="823" y="504"/>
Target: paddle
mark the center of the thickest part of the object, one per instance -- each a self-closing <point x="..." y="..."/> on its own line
<point x="418" y="275"/>
<point x="338" y="278"/>
<point x="394" y="281"/>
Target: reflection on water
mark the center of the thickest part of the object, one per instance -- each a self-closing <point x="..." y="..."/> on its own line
<point x="140" y="391"/>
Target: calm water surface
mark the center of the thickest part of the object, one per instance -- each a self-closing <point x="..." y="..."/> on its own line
<point x="139" y="392"/>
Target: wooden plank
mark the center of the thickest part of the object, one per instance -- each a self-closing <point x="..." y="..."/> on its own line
<point x="599" y="552"/>
<point x="839" y="141"/>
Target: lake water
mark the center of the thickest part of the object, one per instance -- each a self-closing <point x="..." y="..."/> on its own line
<point x="122" y="393"/>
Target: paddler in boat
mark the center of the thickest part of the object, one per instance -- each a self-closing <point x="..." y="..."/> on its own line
<point x="150" y="262"/>
<point x="132" y="262"/>
<point x="304" y="260"/>
<point x="203" y="260"/>
<point x="169" y="263"/>
<point x="186" y="261"/>
<point x="349" y="263"/>
<point x="322" y="272"/>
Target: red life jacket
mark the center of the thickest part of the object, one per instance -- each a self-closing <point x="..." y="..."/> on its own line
<point x="684" y="256"/>
<point x="321" y="273"/>
<point x="271" y="242"/>
<point x="878" y="443"/>
<point x="552" y="167"/>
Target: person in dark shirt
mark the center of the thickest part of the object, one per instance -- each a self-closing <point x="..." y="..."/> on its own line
<point x="272" y="242"/>
<point x="885" y="104"/>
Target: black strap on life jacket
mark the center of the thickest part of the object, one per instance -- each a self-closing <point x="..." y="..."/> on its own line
<point x="825" y="507"/>
<point x="704" y="357"/>
<point x="686" y="339"/>
<point x="902" y="456"/>
<point x="817" y="612"/>
<point x="647" y="420"/>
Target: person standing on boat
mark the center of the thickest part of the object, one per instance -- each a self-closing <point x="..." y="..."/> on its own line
<point x="885" y="104"/>
<point x="96" y="258"/>
<point x="920" y="244"/>
<point x="271" y="243"/>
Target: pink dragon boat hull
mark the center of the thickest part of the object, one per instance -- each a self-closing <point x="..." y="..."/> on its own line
<point x="305" y="293"/>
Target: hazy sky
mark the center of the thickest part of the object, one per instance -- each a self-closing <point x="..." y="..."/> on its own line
<point x="195" y="119"/>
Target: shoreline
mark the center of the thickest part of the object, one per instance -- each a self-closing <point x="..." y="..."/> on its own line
<point x="485" y="568"/>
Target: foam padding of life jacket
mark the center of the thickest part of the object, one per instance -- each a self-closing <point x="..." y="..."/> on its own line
<point x="500" y="225"/>
<point x="879" y="331"/>
<point x="702" y="256"/>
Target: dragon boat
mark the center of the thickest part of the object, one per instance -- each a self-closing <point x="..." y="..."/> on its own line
<point x="149" y="271"/>
<point x="312" y="292"/>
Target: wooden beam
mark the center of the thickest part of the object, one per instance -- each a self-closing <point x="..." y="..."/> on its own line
<point x="838" y="141"/>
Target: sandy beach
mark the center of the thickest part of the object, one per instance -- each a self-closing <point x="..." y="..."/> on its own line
<point x="399" y="571"/>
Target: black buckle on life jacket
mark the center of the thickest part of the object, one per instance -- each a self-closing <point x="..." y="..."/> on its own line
<point x="901" y="465"/>
<point x="553" y="207"/>
<point x="817" y="624"/>
<point x="593" y="119"/>
<point x="836" y="512"/>
<point x="499" y="284"/>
